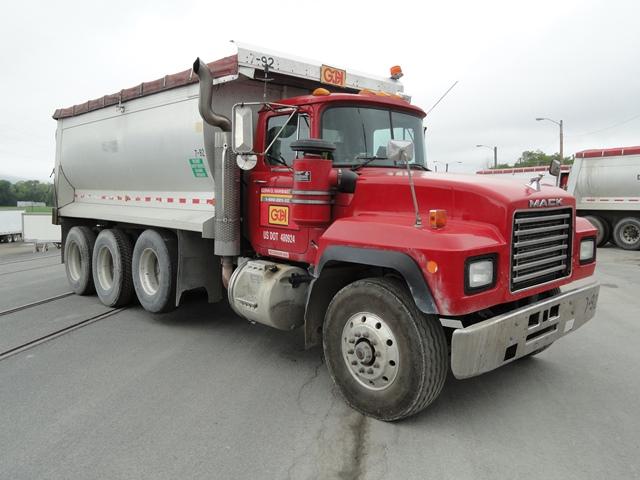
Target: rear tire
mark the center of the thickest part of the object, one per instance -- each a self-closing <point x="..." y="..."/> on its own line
<point x="387" y="358"/>
<point x="112" y="268"/>
<point x="603" y="227"/>
<point x="155" y="270"/>
<point x="78" y="254"/>
<point x="626" y="233"/>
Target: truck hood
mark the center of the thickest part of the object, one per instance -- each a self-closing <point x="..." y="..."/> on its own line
<point x="465" y="197"/>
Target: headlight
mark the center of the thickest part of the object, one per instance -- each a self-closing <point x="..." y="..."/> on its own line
<point x="587" y="250"/>
<point x="480" y="273"/>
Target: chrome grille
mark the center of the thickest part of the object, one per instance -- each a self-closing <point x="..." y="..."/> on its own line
<point x="541" y="247"/>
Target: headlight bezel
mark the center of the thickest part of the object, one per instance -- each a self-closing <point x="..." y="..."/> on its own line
<point x="593" y="255"/>
<point x="468" y="289"/>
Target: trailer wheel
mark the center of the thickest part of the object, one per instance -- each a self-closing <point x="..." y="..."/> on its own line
<point x="112" y="268"/>
<point x="78" y="253"/>
<point x="155" y="271"/>
<point x="626" y="234"/>
<point x="603" y="227"/>
<point x="388" y="360"/>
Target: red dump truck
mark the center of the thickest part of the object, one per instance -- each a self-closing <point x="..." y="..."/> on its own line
<point x="299" y="191"/>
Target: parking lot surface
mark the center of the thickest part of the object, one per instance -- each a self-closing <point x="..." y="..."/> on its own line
<point x="201" y="393"/>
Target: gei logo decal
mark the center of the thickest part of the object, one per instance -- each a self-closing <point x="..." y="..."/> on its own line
<point x="333" y="76"/>
<point x="278" y="215"/>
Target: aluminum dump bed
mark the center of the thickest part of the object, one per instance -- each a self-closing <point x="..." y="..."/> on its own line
<point x="138" y="156"/>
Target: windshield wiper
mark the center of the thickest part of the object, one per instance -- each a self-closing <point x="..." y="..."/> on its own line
<point x="419" y="166"/>
<point x="367" y="160"/>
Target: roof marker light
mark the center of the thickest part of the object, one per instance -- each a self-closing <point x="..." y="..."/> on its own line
<point x="437" y="218"/>
<point x="396" y="72"/>
<point x="318" y="92"/>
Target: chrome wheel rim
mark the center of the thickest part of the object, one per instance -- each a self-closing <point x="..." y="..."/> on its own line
<point x="370" y="351"/>
<point x="630" y="234"/>
<point x="74" y="261"/>
<point x="105" y="268"/>
<point x="149" y="272"/>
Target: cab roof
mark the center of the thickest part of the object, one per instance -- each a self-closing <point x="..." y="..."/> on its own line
<point x="365" y="98"/>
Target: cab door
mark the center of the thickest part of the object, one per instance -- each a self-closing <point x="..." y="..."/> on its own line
<point x="271" y="230"/>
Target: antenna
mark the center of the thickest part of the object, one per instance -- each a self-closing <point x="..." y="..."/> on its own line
<point x="442" y="97"/>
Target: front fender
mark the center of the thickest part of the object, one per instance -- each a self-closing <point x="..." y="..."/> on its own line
<point x="394" y="260"/>
<point x="394" y="242"/>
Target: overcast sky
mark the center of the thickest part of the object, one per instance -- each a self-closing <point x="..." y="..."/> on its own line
<point x="573" y="60"/>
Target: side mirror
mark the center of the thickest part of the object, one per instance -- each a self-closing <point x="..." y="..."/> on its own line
<point x="554" y="168"/>
<point x="242" y="129"/>
<point x="400" y="151"/>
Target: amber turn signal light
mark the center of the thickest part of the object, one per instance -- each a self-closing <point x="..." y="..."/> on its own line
<point x="437" y="218"/>
<point x="396" y="72"/>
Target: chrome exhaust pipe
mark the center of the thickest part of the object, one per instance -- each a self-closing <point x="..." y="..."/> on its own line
<point x="226" y="175"/>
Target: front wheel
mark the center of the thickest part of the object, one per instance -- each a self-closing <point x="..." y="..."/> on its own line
<point x="388" y="360"/>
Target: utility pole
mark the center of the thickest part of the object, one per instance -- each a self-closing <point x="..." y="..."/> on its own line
<point x="561" y="146"/>
<point x="495" y="154"/>
<point x="561" y="125"/>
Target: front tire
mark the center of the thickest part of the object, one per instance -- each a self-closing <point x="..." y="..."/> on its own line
<point x="388" y="360"/>
<point x="78" y="253"/>
<point x="112" y="268"/>
<point x="155" y="270"/>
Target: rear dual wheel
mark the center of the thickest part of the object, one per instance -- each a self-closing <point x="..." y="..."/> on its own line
<point x="387" y="358"/>
<point x="626" y="233"/>
<point x="111" y="264"/>
<point x="78" y="253"/>
<point x="155" y="270"/>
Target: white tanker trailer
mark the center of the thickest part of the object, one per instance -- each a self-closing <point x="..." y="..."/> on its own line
<point x="606" y="184"/>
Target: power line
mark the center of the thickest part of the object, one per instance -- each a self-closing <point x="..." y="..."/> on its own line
<point x="605" y="128"/>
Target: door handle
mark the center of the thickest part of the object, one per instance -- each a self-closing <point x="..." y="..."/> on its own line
<point x="260" y="182"/>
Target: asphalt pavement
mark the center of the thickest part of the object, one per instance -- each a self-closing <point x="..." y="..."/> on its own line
<point x="201" y="393"/>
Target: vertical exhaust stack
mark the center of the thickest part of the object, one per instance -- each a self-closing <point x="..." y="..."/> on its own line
<point x="226" y="175"/>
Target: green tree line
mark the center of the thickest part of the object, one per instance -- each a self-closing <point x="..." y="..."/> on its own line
<point x="27" y="190"/>
<point x="536" y="158"/>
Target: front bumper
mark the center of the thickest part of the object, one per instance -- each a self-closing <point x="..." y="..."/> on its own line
<point x="489" y="344"/>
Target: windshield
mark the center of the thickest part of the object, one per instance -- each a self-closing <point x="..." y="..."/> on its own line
<point x="361" y="134"/>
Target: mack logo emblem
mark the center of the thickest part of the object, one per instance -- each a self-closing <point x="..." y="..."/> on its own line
<point x="545" y="202"/>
